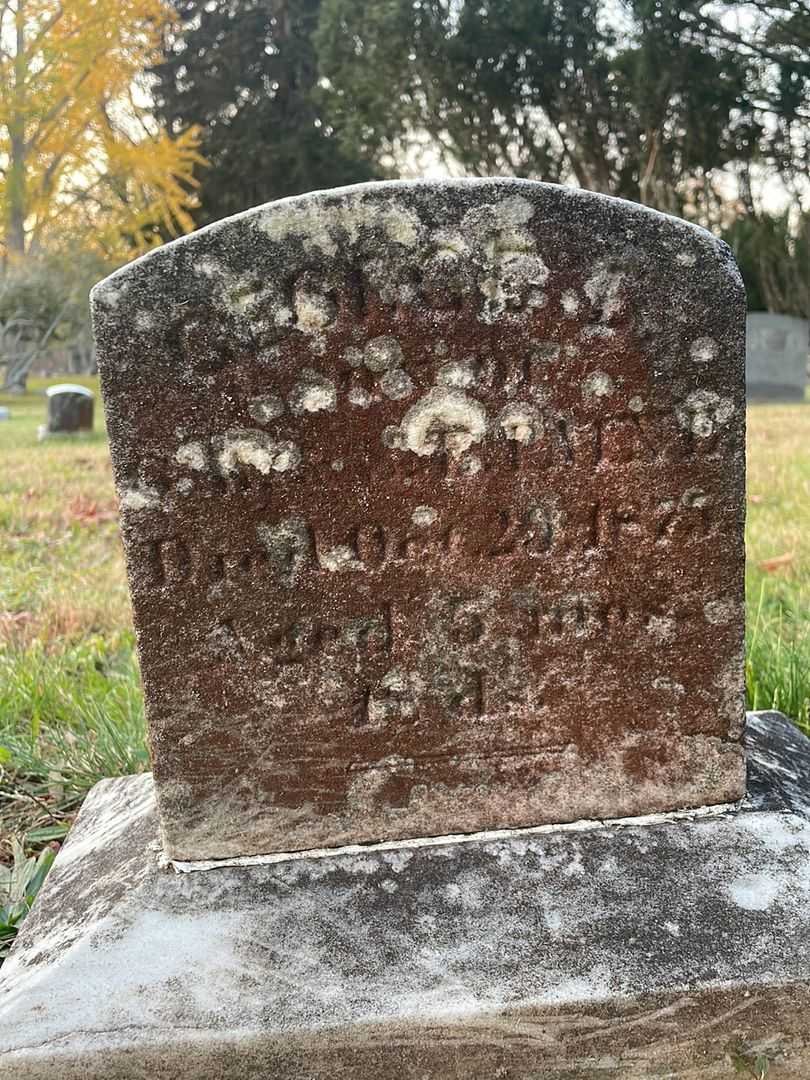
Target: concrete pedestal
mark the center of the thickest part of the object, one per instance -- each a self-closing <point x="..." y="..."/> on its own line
<point x="675" y="946"/>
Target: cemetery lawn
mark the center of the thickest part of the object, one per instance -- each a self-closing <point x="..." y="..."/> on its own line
<point x="70" y="703"/>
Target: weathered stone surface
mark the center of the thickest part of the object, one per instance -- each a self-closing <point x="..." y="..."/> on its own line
<point x="623" y="950"/>
<point x="432" y="501"/>
<point x="70" y="409"/>
<point x="776" y="357"/>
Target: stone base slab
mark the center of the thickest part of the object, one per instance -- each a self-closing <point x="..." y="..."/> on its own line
<point x="667" y="948"/>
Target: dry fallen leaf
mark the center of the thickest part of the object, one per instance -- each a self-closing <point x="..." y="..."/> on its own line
<point x="87" y="512"/>
<point x="777" y="562"/>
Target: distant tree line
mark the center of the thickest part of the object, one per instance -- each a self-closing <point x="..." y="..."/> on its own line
<point x="694" y="108"/>
<point x="124" y="123"/>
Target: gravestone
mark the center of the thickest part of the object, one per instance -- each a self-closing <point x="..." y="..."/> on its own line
<point x="431" y="496"/>
<point x="70" y="409"/>
<point x="5" y="414"/>
<point x="776" y="357"/>
<point x="432" y="505"/>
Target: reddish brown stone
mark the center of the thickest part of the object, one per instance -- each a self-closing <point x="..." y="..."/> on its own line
<point x="432" y="501"/>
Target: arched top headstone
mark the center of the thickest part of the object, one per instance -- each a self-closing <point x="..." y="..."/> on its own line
<point x="432" y="500"/>
<point x="70" y="410"/>
<point x="68" y="388"/>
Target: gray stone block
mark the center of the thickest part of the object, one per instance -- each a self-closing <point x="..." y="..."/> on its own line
<point x="776" y="357"/>
<point x="659" y="947"/>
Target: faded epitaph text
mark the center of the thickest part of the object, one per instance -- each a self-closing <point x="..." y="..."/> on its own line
<point x="431" y="497"/>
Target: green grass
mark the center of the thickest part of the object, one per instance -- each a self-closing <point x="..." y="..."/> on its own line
<point x="778" y="560"/>
<point x="71" y="709"/>
<point x="70" y="703"/>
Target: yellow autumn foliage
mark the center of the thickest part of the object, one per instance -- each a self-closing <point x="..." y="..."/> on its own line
<point x="81" y="158"/>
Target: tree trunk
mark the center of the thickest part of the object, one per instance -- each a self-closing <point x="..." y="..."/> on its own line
<point x="16" y="195"/>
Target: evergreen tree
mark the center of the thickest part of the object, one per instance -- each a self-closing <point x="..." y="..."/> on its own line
<point x="245" y="72"/>
<point x="639" y="98"/>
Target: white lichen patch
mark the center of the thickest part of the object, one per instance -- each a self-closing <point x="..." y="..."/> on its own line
<point x="686" y="258"/>
<point x="359" y="397"/>
<point x="470" y="465"/>
<point x="461" y="374"/>
<point x="192" y="455"/>
<point x="108" y="294"/>
<point x="671" y="686"/>
<point x="604" y="290"/>
<point x="327" y="228"/>
<point x="703" y="350"/>
<point x="397" y="695"/>
<point x="719" y="612"/>
<point x="704" y="412"/>
<point x="140" y="498"/>
<point x="661" y="629"/>
<point x="353" y="356"/>
<point x="337" y="465"/>
<point x="569" y="302"/>
<point x="636" y="404"/>
<point x="257" y="450"/>
<point x="314" y="393"/>
<point x="244" y="294"/>
<point x="185" y="485"/>
<point x="755" y="892"/>
<point x="207" y="267"/>
<point x="266" y="408"/>
<point x="521" y="422"/>
<point x="288" y="545"/>
<point x="392" y="437"/>
<point x="144" y="320"/>
<point x="510" y="270"/>
<point x="340" y="559"/>
<point x="382" y="353"/>
<point x="518" y="280"/>
<point x="449" y="244"/>
<point x="313" y="311"/>
<point x="397" y="384"/>
<point x="443" y="419"/>
<point x="598" y="384"/>
<point x="423" y="516"/>
<point x="595" y="331"/>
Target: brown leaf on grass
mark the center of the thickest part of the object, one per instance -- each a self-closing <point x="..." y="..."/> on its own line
<point x="755" y="499"/>
<point x="776" y="563"/>
<point x="12" y="624"/>
<point x="86" y="511"/>
<point x="14" y="618"/>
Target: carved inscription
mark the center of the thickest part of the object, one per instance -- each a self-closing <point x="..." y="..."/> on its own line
<point x="431" y="501"/>
<point x="284" y="550"/>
